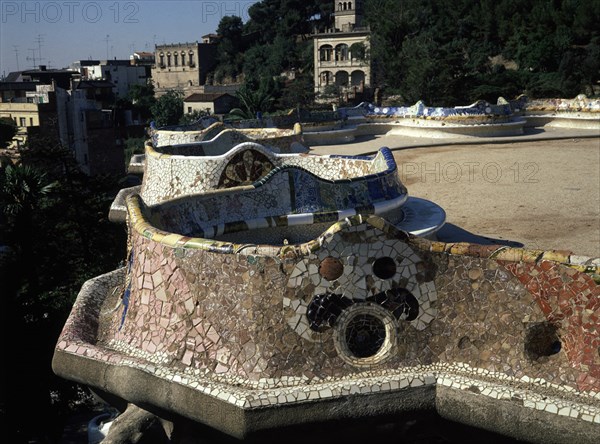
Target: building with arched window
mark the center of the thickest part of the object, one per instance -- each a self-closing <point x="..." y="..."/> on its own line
<point x="341" y="53"/>
<point x="183" y="66"/>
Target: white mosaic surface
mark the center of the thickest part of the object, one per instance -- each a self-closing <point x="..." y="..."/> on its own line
<point x="246" y="394"/>
<point x="169" y="176"/>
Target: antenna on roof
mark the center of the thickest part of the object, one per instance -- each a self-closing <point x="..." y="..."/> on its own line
<point x="40" y="39"/>
<point x="32" y="58"/>
<point x="106" y="40"/>
<point x="16" y="50"/>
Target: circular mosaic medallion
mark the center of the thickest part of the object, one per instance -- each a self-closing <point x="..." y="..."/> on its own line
<point x="365" y="334"/>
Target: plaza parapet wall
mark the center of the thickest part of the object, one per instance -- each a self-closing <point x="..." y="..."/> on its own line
<point x="480" y="119"/>
<point x="243" y="336"/>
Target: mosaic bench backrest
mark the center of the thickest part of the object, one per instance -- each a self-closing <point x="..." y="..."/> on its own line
<point x="203" y="129"/>
<point x="227" y="139"/>
<point x="287" y="195"/>
<point x="420" y="110"/>
<point x="168" y="176"/>
<point x="579" y="104"/>
<point x="221" y="138"/>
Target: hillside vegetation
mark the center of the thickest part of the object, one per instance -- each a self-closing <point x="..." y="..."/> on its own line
<point x="440" y="51"/>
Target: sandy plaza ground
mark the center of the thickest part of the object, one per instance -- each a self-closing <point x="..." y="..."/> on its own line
<point x="542" y="194"/>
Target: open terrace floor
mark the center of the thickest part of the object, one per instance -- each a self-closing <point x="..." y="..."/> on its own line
<point x="539" y="190"/>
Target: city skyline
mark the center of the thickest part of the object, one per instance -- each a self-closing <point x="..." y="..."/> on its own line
<point x="56" y="34"/>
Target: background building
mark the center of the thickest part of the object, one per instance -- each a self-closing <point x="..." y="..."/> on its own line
<point x="143" y="58"/>
<point x="121" y="73"/>
<point x="76" y="117"/>
<point x="211" y="103"/>
<point x="183" y="66"/>
<point x="341" y="53"/>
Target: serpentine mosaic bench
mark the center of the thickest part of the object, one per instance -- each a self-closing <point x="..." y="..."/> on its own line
<point x="579" y="112"/>
<point x="218" y="138"/>
<point x="219" y="144"/>
<point x="298" y="183"/>
<point x="480" y="119"/>
<point x="361" y="320"/>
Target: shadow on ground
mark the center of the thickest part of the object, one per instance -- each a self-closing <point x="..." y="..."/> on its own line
<point x="453" y="233"/>
<point x="415" y="428"/>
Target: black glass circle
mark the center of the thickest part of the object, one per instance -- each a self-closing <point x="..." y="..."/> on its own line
<point x="365" y="335"/>
<point x="384" y="267"/>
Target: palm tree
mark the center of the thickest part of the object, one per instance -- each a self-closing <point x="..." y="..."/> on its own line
<point x="22" y="189"/>
<point x="8" y="130"/>
<point x="254" y="99"/>
<point x="22" y="192"/>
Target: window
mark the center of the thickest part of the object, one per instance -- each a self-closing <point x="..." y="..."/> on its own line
<point x="189" y="109"/>
<point x="22" y="121"/>
<point x="182" y="59"/>
<point x="31" y="121"/>
<point x="341" y="78"/>
<point x="325" y="53"/>
<point x="176" y="59"/>
<point x="162" y="60"/>
<point x="168" y="59"/>
<point x="341" y="52"/>
<point x="326" y="77"/>
<point x="191" y="58"/>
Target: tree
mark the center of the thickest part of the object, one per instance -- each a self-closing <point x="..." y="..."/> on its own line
<point x="297" y="92"/>
<point x="133" y="145"/>
<point x="8" y="130"/>
<point x="142" y="98"/>
<point x="168" y="108"/>
<point x="273" y="40"/>
<point x="229" y="47"/>
<point x="55" y="223"/>
<point x="270" y="60"/>
<point x="255" y="97"/>
<point x="21" y="189"/>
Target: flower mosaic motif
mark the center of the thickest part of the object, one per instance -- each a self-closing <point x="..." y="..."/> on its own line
<point x="245" y="168"/>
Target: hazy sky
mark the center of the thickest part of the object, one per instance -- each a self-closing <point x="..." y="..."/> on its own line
<point x="79" y="30"/>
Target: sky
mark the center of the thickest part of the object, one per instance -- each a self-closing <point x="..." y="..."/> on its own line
<point x="67" y="31"/>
